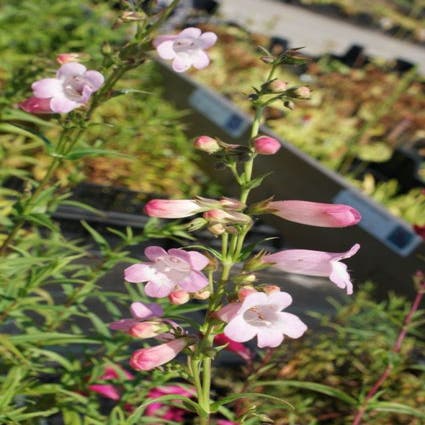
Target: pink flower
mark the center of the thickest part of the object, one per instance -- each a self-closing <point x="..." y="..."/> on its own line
<point x="172" y="208"/>
<point x="62" y="58"/>
<point x="168" y="271"/>
<point x="110" y="390"/>
<point x="265" y="145"/>
<point x="179" y="297"/>
<point x="185" y="49"/>
<point x="315" y="263"/>
<point x="260" y="315"/>
<point x="315" y="213"/>
<point x="152" y="357"/>
<point x="139" y="312"/>
<point x="166" y="412"/>
<point x="71" y="88"/>
<point x="234" y="347"/>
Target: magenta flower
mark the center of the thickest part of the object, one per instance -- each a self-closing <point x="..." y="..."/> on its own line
<point x="172" y="208"/>
<point x="315" y="213"/>
<point x="168" y="271"/>
<point x="315" y="263"/>
<point x="163" y="411"/>
<point x="71" y="88"/>
<point x="110" y="390"/>
<point x="233" y="346"/>
<point x="185" y="49"/>
<point x="152" y="357"/>
<point x="260" y="315"/>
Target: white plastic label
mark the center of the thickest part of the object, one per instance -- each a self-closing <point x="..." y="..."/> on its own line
<point x="395" y="235"/>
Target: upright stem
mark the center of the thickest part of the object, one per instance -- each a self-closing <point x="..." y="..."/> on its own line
<point x="395" y="349"/>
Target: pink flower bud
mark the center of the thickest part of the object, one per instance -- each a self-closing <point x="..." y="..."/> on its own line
<point x="172" y="208"/>
<point x="265" y="145"/>
<point x="303" y="92"/>
<point x="245" y="291"/>
<point x="179" y="297"/>
<point x="231" y="204"/>
<point x="152" y="357"/>
<point x="315" y="213"/>
<point x="268" y="289"/>
<point x="207" y="144"/>
<point x="278" y="86"/>
<point x="233" y="346"/>
<point x="226" y="217"/>
<point x="34" y="105"/>
<point x="148" y="329"/>
<point x="68" y="57"/>
<point x="217" y="229"/>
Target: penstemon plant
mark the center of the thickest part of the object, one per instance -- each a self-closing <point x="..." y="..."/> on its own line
<point x="237" y="306"/>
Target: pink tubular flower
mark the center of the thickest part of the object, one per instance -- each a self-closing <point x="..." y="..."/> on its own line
<point x="33" y="105"/>
<point x="167" y="412"/>
<point x="315" y="213"/>
<point x="185" y="49"/>
<point x="234" y="347"/>
<point x="265" y="145"/>
<point x="315" y="263"/>
<point x="167" y="271"/>
<point x="172" y="208"/>
<point x="179" y="297"/>
<point x="71" y="88"/>
<point x="260" y="315"/>
<point x="152" y="357"/>
<point x="62" y="58"/>
<point x="207" y="144"/>
<point x="139" y="312"/>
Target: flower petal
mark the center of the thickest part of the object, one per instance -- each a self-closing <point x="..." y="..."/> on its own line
<point x="96" y="79"/>
<point x="63" y="105"/>
<point x="269" y="337"/>
<point x="340" y="276"/>
<point x="238" y="330"/>
<point x="165" y="50"/>
<point x="162" y="38"/>
<point x="47" y="87"/>
<point x="158" y="289"/>
<point x="197" y="260"/>
<point x="194" y="282"/>
<point x="182" y="62"/>
<point x="291" y="325"/>
<point x="280" y="299"/>
<point x="139" y="273"/>
<point x="145" y="311"/>
<point x="70" y="69"/>
<point x="155" y="252"/>
<point x="190" y="32"/>
<point x="200" y="59"/>
<point x="208" y="39"/>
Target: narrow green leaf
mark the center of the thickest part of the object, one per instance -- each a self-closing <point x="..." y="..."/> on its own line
<point x="312" y="386"/>
<point x="136" y="415"/>
<point x="95" y="235"/>
<point x="231" y="398"/>
<point x="387" y="406"/>
<point x="84" y="152"/>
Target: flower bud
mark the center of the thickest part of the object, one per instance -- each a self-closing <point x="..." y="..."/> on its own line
<point x="226" y="217"/>
<point x="245" y="291"/>
<point x="268" y="289"/>
<point x="202" y="295"/>
<point x="148" y="329"/>
<point x="289" y="104"/>
<point x="69" y="57"/>
<point x="152" y="357"/>
<point x="207" y="144"/>
<point x="231" y="204"/>
<point x="34" y="105"/>
<point x="196" y="224"/>
<point x="179" y="297"/>
<point x="129" y="16"/>
<point x="172" y="208"/>
<point x="303" y="92"/>
<point x="217" y="229"/>
<point x="277" y="86"/>
<point x="265" y="145"/>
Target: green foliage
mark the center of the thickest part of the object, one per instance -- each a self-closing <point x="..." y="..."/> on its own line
<point x="326" y="374"/>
